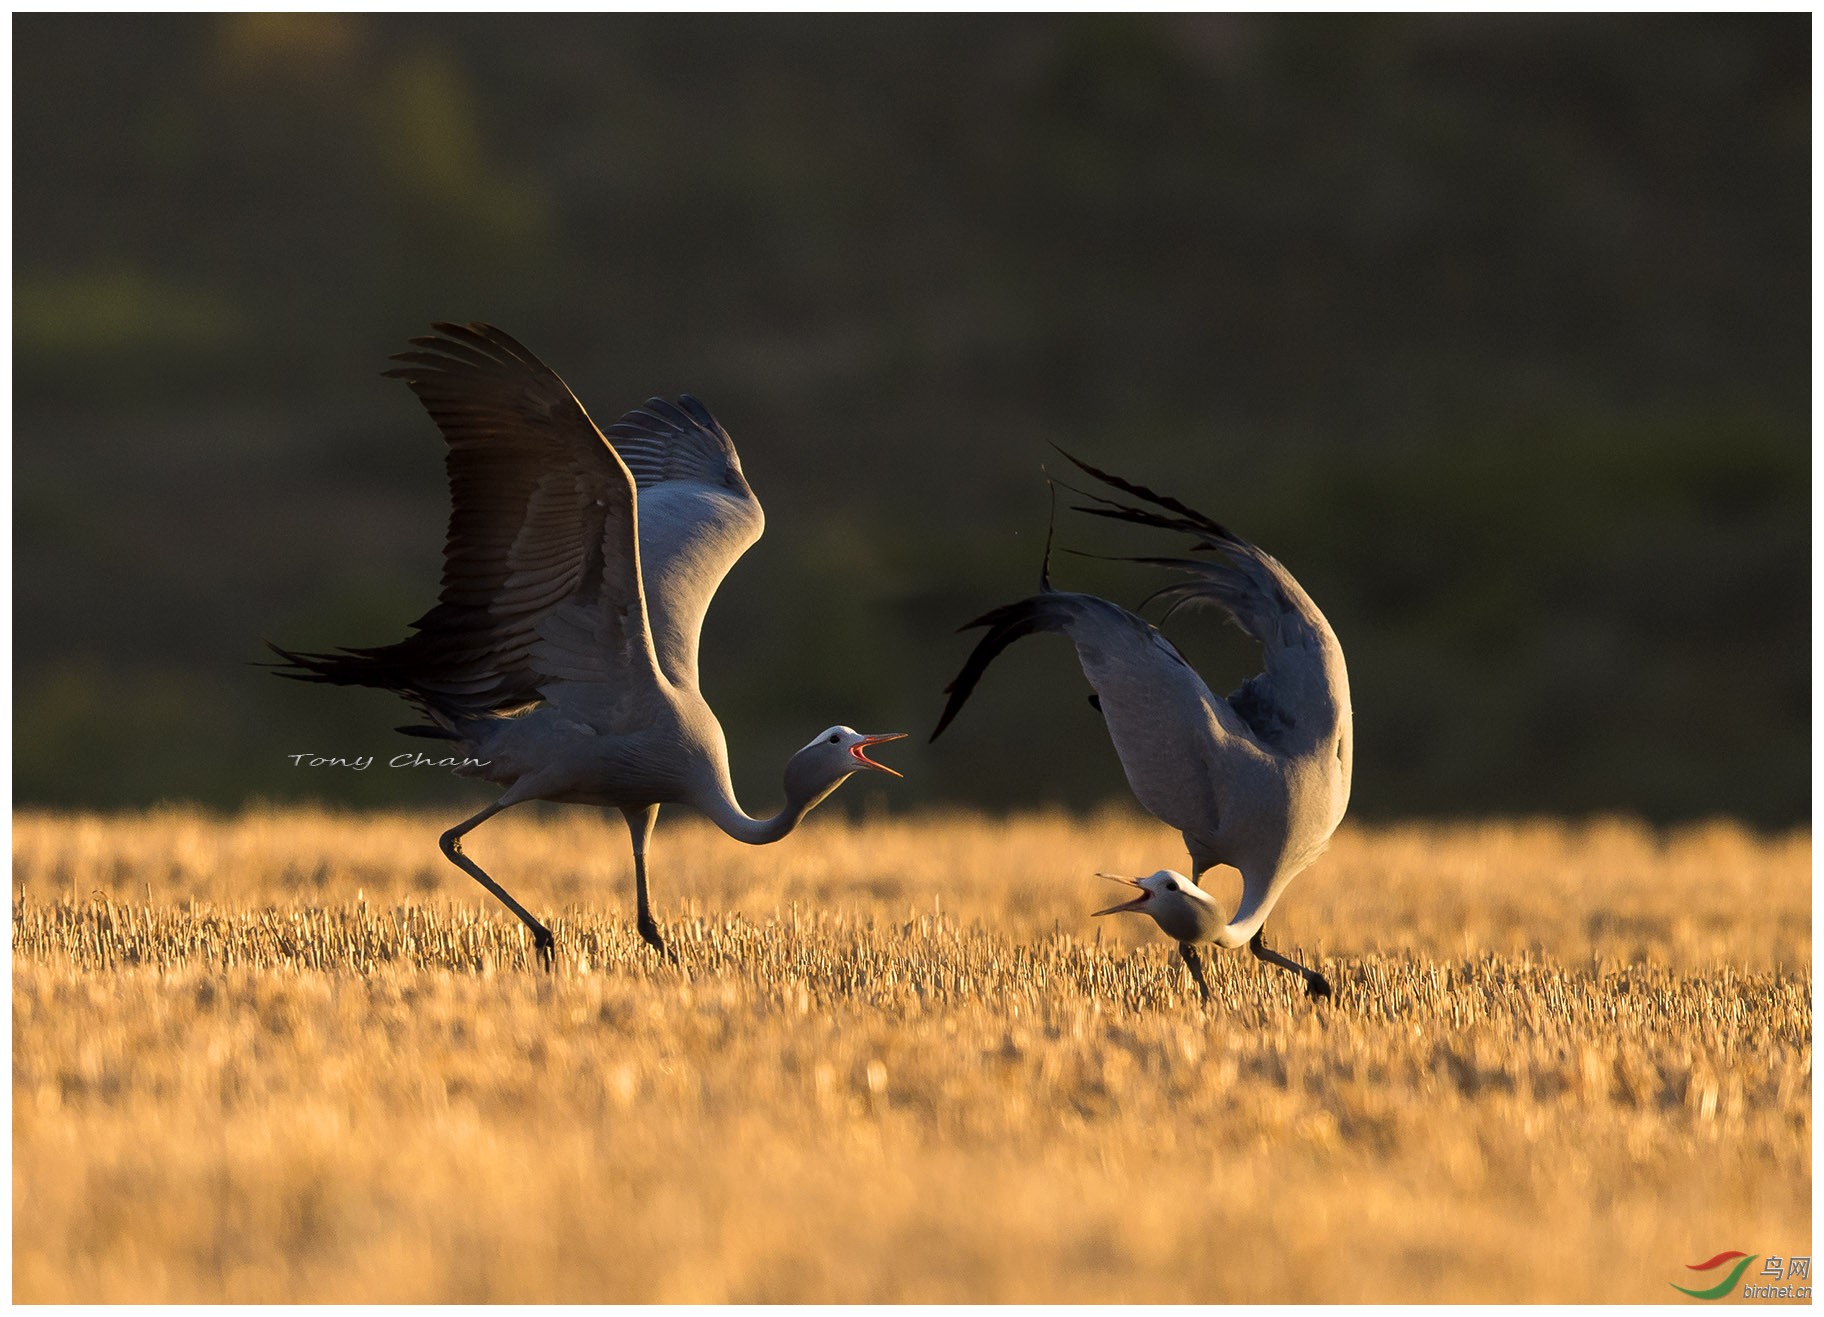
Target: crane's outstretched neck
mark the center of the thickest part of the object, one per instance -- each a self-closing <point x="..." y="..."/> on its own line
<point x="1237" y="932"/>
<point x="803" y="793"/>
<point x="1261" y="888"/>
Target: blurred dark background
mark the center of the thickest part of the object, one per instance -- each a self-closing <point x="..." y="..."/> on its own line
<point x="1494" y="329"/>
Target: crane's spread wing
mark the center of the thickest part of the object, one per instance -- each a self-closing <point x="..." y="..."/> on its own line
<point x="1302" y="694"/>
<point x="1176" y="739"/>
<point x="697" y="516"/>
<point x="541" y="579"/>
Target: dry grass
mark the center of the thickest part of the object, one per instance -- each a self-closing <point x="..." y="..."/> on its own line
<point x="296" y="1056"/>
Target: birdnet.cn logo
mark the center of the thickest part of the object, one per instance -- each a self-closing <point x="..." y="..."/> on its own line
<point x="1772" y="1281"/>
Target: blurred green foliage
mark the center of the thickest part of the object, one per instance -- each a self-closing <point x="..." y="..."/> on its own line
<point x="1495" y="329"/>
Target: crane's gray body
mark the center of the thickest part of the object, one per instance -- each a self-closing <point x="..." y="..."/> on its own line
<point x="1258" y="780"/>
<point x="1264" y="802"/>
<point x="665" y="754"/>
<point x="562" y="651"/>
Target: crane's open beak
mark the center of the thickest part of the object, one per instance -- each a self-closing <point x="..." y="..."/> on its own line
<point x="1125" y="906"/>
<point x="860" y="746"/>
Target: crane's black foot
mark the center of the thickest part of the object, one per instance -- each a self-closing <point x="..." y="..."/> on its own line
<point x="1316" y="985"/>
<point x="649" y="934"/>
<point x="546" y="946"/>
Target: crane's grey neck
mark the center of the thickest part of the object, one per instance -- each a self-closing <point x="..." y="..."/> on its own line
<point x="1257" y="902"/>
<point x="1236" y="932"/>
<point x="803" y="793"/>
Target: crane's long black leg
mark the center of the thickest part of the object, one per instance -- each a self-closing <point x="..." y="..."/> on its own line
<point x="1316" y="985"/>
<point x="649" y="929"/>
<point x="640" y="823"/>
<point x="451" y="842"/>
<point x="1195" y="964"/>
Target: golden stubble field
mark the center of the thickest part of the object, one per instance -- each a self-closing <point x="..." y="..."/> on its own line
<point x="297" y="1056"/>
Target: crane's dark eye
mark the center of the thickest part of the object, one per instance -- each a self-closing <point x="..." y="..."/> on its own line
<point x="834" y="738"/>
<point x="1170" y="886"/>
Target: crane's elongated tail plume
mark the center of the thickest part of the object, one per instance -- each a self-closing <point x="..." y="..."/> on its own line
<point x="1051" y="526"/>
<point x="1236" y="590"/>
<point x="1252" y="587"/>
<point x="1187" y="519"/>
<point x="374" y="668"/>
<point x="1228" y="588"/>
<point x="349" y="667"/>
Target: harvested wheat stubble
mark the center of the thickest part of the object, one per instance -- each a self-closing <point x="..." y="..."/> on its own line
<point x="294" y="1055"/>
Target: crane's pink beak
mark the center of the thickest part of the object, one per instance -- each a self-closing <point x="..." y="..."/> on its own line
<point x="857" y="751"/>
<point x="1125" y="906"/>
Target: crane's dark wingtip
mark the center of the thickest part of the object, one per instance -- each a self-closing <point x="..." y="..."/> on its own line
<point x="952" y="706"/>
<point x="297" y="666"/>
<point x="949" y="712"/>
<point x="1006" y="624"/>
<point x="986" y="619"/>
<point x="290" y="660"/>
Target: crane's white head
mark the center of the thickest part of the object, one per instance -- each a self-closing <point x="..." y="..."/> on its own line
<point x="832" y="755"/>
<point x="845" y="748"/>
<point x="1182" y="909"/>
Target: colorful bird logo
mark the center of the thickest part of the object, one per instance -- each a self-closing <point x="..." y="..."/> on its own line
<point x="1727" y="1284"/>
